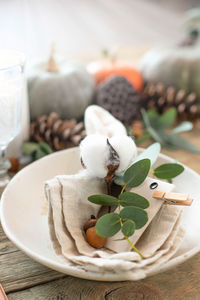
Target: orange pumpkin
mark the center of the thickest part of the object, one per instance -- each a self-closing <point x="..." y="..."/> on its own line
<point x="105" y="68"/>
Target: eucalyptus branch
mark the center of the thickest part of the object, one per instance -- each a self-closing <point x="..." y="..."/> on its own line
<point x="121" y="224"/>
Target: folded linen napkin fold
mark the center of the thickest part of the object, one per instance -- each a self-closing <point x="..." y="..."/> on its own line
<point x="69" y="209"/>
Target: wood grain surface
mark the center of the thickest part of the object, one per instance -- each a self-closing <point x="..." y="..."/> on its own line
<point x="24" y="279"/>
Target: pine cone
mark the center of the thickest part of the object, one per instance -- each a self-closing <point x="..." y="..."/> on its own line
<point x="58" y="134"/>
<point x="162" y="98"/>
<point x="118" y="96"/>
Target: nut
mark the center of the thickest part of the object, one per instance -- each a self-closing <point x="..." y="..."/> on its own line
<point x="94" y="239"/>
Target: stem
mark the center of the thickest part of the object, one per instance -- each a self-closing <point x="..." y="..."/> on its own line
<point x="134" y="248"/>
<point x="108" y="184"/>
<point x="52" y="66"/>
<point x="123" y="188"/>
<point x="121" y="224"/>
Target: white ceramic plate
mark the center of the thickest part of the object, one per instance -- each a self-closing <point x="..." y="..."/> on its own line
<point x="24" y="217"/>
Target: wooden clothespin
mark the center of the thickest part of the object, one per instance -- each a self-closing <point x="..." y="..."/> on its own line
<point x="2" y="294"/>
<point x="173" y="198"/>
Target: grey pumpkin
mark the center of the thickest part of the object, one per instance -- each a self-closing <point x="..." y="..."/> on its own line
<point x="66" y="88"/>
<point x="176" y="66"/>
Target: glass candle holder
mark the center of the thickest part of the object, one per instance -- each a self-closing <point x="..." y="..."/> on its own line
<point x="11" y="92"/>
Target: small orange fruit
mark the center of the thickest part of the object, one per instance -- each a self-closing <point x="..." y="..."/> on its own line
<point x="94" y="239"/>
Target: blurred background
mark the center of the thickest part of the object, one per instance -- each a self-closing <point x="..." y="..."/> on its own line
<point x="148" y="76"/>
<point x="89" y="25"/>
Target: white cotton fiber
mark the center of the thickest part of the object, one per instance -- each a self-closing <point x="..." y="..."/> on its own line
<point x="95" y="151"/>
<point x="126" y="149"/>
<point x="94" y="154"/>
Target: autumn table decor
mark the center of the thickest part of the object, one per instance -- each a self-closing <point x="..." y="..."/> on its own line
<point x="110" y="65"/>
<point x="176" y="65"/>
<point x="130" y="236"/>
<point x="59" y="85"/>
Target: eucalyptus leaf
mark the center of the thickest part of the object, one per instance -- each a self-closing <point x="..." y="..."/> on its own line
<point x="136" y="214"/>
<point x="153" y="117"/>
<point x="184" y="126"/>
<point x="108" y="225"/>
<point x="144" y="137"/>
<point x="150" y="120"/>
<point x="167" y="119"/>
<point x="156" y="135"/>
<point x="169" y="180"/>
<point x="136" y="174"/>
<point x="145" y="118"/>
<point x="39" y="153"/>
<point x="133" y="199"/>
<point x="180" y="143"/>
<point x="102" y="199"/>
<point x="119" y="180"/>
<point x="128" y="228"/>
<point x="168" y="171"/>
<point x="45" y="148"/>
<point x="151" y="153"/>
<point x="29" y="147"/>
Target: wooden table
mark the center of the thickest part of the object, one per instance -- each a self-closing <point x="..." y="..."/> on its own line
<point x="24" y="279"/>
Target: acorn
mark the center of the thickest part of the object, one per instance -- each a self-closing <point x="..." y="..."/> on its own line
<point x="92" y="237"/>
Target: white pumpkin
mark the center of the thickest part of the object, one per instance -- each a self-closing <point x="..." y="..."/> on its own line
<point x="66" y="88"/>
<point x="177" y="66"/>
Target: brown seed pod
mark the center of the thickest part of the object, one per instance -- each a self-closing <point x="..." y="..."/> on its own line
<point x="14" y="164"/>
<point x="92" y="237"/>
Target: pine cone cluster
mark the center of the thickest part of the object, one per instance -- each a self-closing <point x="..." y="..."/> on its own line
<point x="58" y="134"/>
<point x="162" y="98"/>
<point x="117" y="95"/>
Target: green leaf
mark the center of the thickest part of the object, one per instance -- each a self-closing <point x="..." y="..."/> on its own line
<point x="168" y="171"/>
<point x="128" y="228"/>
<point x="167" y="119"/>
<point x="144" y="137"/>
<point x="151" y="153"/>
<point x="133" y="199"/>
<point x="150" y="119"/>
<point x="136" y="214"/>
<point x="29" y="147"/>
<point x="108" y="225"/>
<point x="45" y="148"/>
<point x="169" y="180"/>
<point x="153" y="117"/>
<point x="103" y="199"/>
<point x="39" y="153"/>
<point x="136" y="174"/>
<point x="119" y="180"/>
<point x="184" y="126"/>
<point x="177" y="141"/>
<point x="156" y="135"/>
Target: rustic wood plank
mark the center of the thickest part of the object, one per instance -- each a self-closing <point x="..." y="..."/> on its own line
<point x="18" y="271"/>
<point x="182" y="282"/>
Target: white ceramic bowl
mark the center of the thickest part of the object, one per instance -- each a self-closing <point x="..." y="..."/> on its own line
<point x="25" y="223"/>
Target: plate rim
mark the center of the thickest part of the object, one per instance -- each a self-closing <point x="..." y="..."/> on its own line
<point x="73" y="270"/>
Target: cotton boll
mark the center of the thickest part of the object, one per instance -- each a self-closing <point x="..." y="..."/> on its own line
<point x="126" y="149"/>
<point x="94" y="153"/>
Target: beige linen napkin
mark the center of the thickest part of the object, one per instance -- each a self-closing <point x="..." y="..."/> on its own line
<point x="69" y="209"/>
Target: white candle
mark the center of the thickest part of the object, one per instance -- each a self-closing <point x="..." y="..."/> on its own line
<point x="12" y="91"/>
